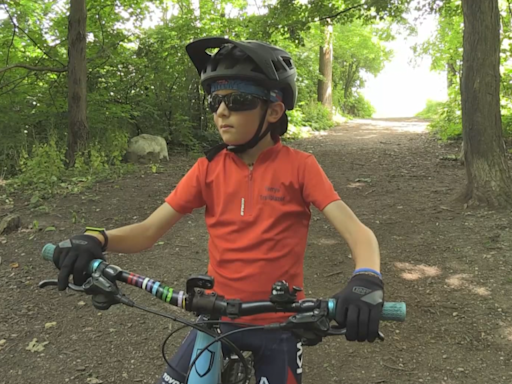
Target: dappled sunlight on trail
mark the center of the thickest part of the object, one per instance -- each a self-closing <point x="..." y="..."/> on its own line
<point x="460" y="281"/>
<point x="508" y="333"/>
<point x="392" y="125"/>
<point x="415" y="272"/>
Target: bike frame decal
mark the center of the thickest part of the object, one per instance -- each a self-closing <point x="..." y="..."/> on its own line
<point x="208" y="367"/>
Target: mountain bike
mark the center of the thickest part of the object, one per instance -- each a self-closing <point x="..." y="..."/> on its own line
<point x="309" y="322"/>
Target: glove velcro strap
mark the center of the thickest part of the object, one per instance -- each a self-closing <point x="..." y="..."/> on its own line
<point x="102" y="232"/>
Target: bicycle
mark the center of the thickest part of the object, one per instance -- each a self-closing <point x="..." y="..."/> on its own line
<point x="310" y="321"/>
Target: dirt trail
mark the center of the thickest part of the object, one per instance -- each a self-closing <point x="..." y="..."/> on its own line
<point x="451" y="266"/>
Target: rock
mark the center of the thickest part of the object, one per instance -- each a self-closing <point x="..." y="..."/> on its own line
<point x="9" y="224"/>
<point x="147" y="149"/>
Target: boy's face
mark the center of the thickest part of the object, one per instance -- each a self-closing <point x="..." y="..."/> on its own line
<point x="238" y="128"/>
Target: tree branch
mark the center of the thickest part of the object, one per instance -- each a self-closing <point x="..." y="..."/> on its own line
<point x="31" y="68"/>
<point x="9" y="50"/>
<point x="340" y="13"/>
<point x="31" y="39"/>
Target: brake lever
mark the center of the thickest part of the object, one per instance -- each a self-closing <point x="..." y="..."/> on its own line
<point x="53" y="282"/>
<point x="338" y="331"/>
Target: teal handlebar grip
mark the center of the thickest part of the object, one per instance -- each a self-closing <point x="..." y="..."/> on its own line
<point x="393" y="311"/>
<point x="47" y="252"/>
<point x="49" y="248"/>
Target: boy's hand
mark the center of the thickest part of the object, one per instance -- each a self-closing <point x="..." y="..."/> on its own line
<point x="359" y="307"/>
<point x="73" y="256"/>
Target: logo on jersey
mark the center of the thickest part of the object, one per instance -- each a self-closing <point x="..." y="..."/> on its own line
<point x="272" y="194"/>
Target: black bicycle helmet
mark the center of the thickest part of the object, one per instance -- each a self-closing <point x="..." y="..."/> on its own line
<point x="266" y="65"/>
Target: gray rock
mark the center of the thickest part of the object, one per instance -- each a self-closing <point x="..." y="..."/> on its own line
<point x="147" y="149"/>
<point x="9" y="224"/>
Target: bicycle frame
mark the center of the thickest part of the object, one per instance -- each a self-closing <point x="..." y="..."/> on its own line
<point x="208" y="368"/>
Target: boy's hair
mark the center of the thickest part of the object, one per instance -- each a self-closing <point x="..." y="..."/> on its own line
<point x="278" y="128"/>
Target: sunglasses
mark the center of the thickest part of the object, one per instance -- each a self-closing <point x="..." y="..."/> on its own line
<point x="235" y="102"/>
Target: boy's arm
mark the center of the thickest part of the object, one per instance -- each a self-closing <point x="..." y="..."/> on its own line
<point x="187" y="196"/>
<point x="140" y="236"/>
<point x="360" y="238"/>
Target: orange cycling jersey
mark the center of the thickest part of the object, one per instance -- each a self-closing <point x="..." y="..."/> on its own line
<point x="257" y="219"/>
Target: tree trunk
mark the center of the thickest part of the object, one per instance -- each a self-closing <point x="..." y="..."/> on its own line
<point x="77" y="80"/>
<point x="325" y="67"/>
<point x="488" y="175"/>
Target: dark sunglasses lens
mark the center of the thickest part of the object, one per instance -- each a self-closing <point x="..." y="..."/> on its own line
<point x="214" y="102"/>
<point x="236" y="102"/>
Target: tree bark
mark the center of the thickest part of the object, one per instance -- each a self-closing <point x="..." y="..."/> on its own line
<point x="78" y="131"/>
<point x="488" y="176"/>
<point x="325" y="68"/>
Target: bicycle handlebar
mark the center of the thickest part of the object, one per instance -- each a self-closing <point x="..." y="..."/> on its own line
<point x="211" y="304"/>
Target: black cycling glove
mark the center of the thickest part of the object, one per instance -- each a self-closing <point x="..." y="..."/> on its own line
<point x="359" y="307"/>
<point x="73" y="257"/>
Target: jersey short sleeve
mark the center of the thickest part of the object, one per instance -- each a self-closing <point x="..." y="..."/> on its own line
<point x="188" y="194"/>
<point x="317" y="188"/>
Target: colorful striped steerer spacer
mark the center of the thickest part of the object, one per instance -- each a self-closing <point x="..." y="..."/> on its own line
<point x="157" y="289"/>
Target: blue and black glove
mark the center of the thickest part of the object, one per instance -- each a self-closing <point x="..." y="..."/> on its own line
<point x="73" y="256"/>
<point x="359" y="307"/>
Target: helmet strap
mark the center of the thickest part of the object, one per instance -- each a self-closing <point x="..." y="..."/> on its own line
<point x="255" y="139"/>
<point x="214" y="151"/>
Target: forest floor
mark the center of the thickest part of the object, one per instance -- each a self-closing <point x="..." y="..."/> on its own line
<point x="452" y="266"/>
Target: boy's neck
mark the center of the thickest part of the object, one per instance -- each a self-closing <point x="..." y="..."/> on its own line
<point x="249" y="157"/>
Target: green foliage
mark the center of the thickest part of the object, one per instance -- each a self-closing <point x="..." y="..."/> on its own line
<point x="432" y="111"/>
<point x="140" y="79"/>
<point x="314" y="115"/>
<point x="42" y="169"/>
<point x="358" y="106"/>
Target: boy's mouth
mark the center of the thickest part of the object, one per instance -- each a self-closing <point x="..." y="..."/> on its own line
<point x="226" y="126"/>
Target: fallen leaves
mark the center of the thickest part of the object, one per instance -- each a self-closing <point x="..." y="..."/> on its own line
<point x="94" y="380"/>
<point x="34" y="346"/>
<point x="50" y="325"/>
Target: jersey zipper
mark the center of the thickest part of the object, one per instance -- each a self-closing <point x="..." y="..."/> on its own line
<point x="246" y="203"/>
<point x="249" y="204"/>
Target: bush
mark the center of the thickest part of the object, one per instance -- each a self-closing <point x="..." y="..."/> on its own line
<point x="42" y="169"/>
<point x="506" y="121"/>
<point x="432" y="110"/>
<point x="358" y="106"/>
<point x="445" y="116"/>
<point x="316" y="116"/>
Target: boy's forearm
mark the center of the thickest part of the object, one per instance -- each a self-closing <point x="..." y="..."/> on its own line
<point x="128" y="239"/>
<point x="365" y="250"/>
<point x="140" y="236"/>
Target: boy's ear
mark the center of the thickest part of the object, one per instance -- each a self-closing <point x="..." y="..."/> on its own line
<point x="275" y="111"/>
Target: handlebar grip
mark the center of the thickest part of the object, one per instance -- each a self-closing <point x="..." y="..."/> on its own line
<point x="47" y="252"/>
<point x="393" y="311"/>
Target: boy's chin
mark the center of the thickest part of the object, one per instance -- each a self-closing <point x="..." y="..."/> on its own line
<point x="232" y="141"/>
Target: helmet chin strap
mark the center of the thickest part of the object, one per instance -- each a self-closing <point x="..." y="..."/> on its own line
<point x="214" y="151"/>
<point x="255" y="139"/>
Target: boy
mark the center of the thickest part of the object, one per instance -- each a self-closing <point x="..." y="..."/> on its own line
<point x="257" y="194"/>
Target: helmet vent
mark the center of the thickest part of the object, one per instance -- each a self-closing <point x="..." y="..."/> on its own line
<point x="288" y="62"/>
<point x="277" y="66"/>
